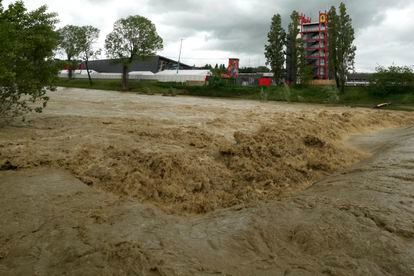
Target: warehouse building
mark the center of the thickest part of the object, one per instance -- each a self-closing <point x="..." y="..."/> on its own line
<point x="152" y="64"/>
<point x="155" y="68"/>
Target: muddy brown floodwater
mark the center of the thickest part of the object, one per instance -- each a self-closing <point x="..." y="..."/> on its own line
<point x="120" y="184"/>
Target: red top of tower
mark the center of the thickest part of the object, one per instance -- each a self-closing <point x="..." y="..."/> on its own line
<point x="304" y="19"/>
<point x="323" y="18"/>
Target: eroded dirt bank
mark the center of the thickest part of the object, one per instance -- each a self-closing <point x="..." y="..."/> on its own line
<point x="189" y="155"/>
<point x="357" y="222"/>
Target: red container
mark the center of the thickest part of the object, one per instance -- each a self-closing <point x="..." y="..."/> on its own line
<point x="265" y="82"/>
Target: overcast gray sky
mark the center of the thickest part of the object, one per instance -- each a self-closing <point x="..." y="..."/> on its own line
<point x="214" y="30"/>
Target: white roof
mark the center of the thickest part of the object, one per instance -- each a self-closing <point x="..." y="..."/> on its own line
<point x="85" y="72"/>
<point x="110" y="74"/>
<point x="142" y="73"/>
<point x="185" y="72"/>
<point x="81" y="72"/>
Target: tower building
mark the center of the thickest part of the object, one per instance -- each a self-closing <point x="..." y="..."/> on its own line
<point x="315" y="38"/>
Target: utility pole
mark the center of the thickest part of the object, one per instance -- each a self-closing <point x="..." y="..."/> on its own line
<point x="179" y="56"/>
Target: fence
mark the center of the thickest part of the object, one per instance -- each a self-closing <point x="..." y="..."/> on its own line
<point x="182" y="77"/>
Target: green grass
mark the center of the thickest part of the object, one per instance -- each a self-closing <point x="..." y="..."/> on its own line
<point x="114" y="85"/>
<point x="353" y="96"/>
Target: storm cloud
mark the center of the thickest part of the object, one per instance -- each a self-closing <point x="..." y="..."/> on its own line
<point x="215" y="30"/>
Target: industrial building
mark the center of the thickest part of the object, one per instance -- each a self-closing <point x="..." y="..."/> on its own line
<point x="152" y="64"/>
<point x="154" y="68"/>
<point x="315" y="38"/>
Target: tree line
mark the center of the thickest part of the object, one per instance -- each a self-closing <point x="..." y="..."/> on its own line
<point x="217" y="70"/>
<point x="392" y="80"/>
<point x="132" y="38"/>
<point x="286" y="54"/>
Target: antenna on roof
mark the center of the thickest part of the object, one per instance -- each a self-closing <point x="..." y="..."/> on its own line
<point x="179" y="56"/>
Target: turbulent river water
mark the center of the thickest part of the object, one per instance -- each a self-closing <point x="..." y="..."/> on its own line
<point x="358" y="221"/>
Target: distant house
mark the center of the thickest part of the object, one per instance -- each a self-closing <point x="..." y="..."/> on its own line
<point x="152" y="64"/>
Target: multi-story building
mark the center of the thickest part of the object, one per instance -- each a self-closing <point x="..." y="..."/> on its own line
<point x="315" y="38"/>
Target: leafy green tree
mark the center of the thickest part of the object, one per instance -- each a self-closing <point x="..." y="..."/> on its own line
<point x="274" y="49"/>
<point x="219" y="70"/>
<point x="305" y="70"/>
<point x="305" y="74"/>
<point x="207" y="67"/>
<point x="87" y="39"/>
<point x="341" y="45"/>
<point x="262" y="69"/>
<point x="293" y="49"/>
<point x="332" y="40"/>
<point x="134" y="37"/>
<point x="394" y="79"/>
<point x="27" y="69"/>
<point x="251" y="70"/>
<point x="69" y="37"/>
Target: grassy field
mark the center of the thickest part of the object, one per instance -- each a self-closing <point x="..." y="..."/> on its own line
<point x="354" y="96"/>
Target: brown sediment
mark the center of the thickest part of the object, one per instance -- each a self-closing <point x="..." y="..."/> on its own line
<point x="190" y="155"/>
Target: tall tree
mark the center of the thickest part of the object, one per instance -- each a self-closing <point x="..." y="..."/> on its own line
<point x="274" y="49"/>
<point x="87" y="40"/>
<point x="341" y="45"/>
<point x="69" y="45"/>
<point x="134" y="37"/>
<point x="305" y="71"/>
<point x="27" y="69"/>
<point x="293" y="49"/>
<point x="333" y="40"/>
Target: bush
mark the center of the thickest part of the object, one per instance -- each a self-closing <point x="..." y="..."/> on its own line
<point x="392" y="80"/>
<point x="286" y="93"/>
<point x="332" y="94"/>
<point x="216" y="82"/>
